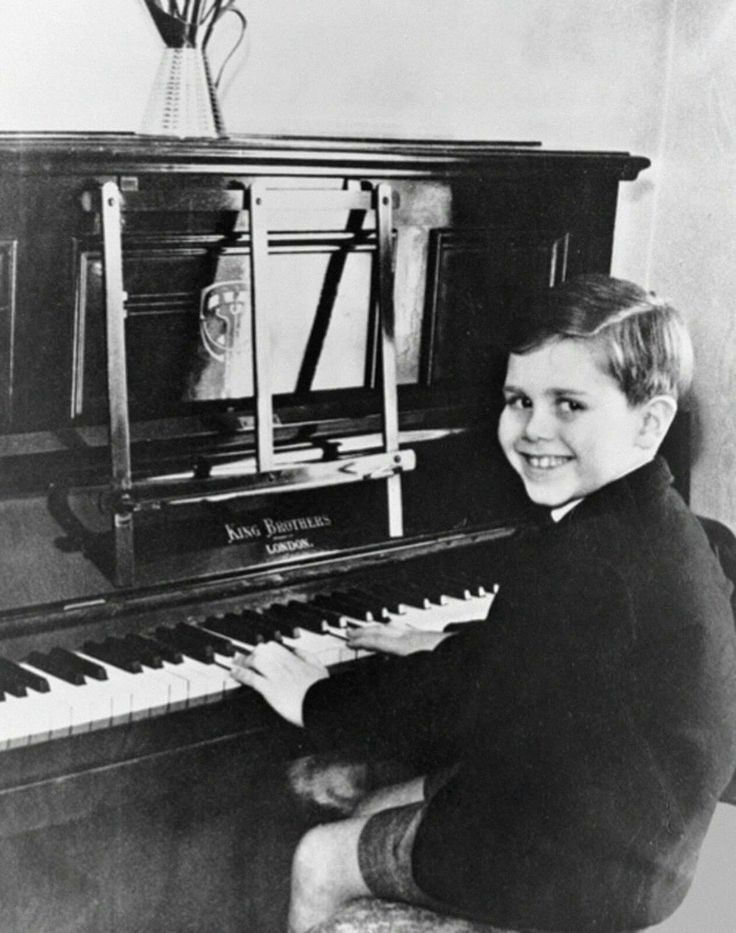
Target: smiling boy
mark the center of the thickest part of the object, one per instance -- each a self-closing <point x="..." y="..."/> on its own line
<point x="568" y="430"/>
<point x="587" y="728"/>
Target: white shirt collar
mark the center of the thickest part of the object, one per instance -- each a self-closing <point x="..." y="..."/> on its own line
<point x="560" y="512"/>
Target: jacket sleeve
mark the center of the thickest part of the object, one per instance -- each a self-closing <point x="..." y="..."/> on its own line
<point x="409" y="707"/>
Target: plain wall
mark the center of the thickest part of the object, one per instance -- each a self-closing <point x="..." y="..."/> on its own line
<point x="653" y="77"/>
<point x="692" y="255"/>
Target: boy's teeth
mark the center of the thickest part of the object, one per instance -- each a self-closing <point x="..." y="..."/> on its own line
<point x="546" y="463"/>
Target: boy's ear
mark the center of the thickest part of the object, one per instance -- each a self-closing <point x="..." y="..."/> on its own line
<point x="657" y="416"/>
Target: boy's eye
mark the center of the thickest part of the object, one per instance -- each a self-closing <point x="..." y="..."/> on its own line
<point x="569" y="405"/>
<point x="518" y="401"/>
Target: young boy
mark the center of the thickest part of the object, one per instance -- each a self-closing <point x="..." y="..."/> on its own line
<point x="588" y="727"/>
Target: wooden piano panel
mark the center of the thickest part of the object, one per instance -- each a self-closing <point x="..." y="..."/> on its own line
<point x="194" y="836"/>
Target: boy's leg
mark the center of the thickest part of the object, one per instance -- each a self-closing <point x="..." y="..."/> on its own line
<point x="330" y="864"/>
<point x="325" y="873"/>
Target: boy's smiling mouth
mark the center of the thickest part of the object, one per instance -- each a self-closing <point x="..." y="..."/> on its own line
<point x="545" y="461"/>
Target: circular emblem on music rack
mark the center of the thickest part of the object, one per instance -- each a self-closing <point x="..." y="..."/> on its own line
<point x="224" y="319"/>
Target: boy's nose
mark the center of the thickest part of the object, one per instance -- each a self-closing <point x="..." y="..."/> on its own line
<point x="540" y="425"/>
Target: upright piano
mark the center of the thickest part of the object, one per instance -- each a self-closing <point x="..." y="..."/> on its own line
<point x="248" y="390"/>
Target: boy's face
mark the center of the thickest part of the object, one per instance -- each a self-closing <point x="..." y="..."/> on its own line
<point x="567" y="427"/>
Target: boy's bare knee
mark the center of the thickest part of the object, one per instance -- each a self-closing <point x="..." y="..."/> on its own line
<point x="326" y="856"/>
<point x="325" y="872"/>
<point x="309" y="859"/>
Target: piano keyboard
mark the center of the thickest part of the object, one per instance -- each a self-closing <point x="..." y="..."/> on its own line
<point x="120" y="680"/>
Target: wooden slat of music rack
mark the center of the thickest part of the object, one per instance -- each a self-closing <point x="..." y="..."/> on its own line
<point x="129" y="496"/>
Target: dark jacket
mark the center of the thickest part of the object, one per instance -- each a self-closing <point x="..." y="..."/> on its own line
<point x="593" y="715"/>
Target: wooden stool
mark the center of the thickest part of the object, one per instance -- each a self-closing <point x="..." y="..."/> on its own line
<point x="370" y="915"/>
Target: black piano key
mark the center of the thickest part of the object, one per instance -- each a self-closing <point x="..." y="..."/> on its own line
<point x="262" y="628"/>
<point x="124" y="650"/>
<point x="283" y="622"/>
<point x="11" y="684"/>
<point x="288" y="618"/>
<point x="28" y="678"/>
<point x="57" y="668"/>
<point x="272" y="627"/>
<point x="389" y="596"/>
<point x="236" y="627"/>
<point x="425" y="587"/>
<point x="183" y="642"/>
<point x="146" y="651"/>
<point x="165" y="652"/>
<point x="313" y="618"/>
<point x="371" y="603"/>
<point x="470" y="579"/>
<point x="220" y="644"/>
<point x="342" y="605"/>
<point x="457" y="589"/>
<point x="411" y="594"/>
<point x="474" y="583"/>
<point x="250" y="628"/>
<point x="85" y="667"/>
<point x="254" y="617"/>
<point x="221" y="625"/>
<point x="113" y="653"/>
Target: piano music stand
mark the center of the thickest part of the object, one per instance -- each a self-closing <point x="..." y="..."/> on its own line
<point x="130" y="495"/>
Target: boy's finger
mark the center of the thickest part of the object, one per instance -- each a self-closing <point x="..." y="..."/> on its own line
<point x="307" y="657"/>
<point x="263" y="660"/>
<point x="248" y="677"/>
<point x="302" y="654"/>
<point x="240" y="659"/>
<point x="370" y="643"/>
<point x="272" y="659"/>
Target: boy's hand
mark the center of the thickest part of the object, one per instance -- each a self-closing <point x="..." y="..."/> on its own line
<point x="393" y="637"/>
<point x="281" y="675"/>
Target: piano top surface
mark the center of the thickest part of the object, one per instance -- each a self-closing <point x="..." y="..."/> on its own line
<point x="31" y="152"/>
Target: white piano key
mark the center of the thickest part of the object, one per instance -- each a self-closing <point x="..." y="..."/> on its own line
<point x="92" y="705"/>
<point x="134" y="695"/>
<point x="198" y="688"/>
<point x="51" y="712"/>
<point x="21" y="722"/>
<point x="207" y="682"/>
<point x="224" y="662"/>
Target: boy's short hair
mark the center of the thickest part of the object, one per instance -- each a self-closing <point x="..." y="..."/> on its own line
<point x="644" y="341"/>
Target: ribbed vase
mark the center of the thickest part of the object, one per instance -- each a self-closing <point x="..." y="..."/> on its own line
<point x="183" y="100"/>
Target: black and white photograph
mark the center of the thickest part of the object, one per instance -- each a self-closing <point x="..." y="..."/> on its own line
<point x="367" y="466"/>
